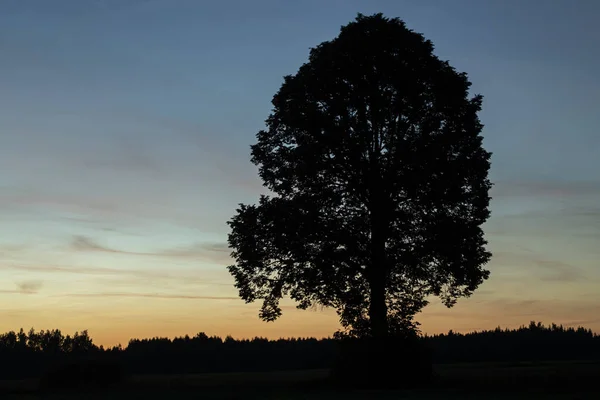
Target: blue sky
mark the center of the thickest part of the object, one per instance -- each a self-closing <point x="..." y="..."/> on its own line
<point x="125" y="128"/>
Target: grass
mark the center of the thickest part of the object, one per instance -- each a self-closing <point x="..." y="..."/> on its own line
<point x="554" y="381"/>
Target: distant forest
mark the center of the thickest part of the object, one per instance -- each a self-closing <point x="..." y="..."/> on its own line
<point x="29" y="354"/>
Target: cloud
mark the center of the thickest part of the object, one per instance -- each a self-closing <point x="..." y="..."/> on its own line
<point x="481" y="309"/>
<point x="8" y="250"/>
<point x="84" y="243"/>
<point x="544" y="269"/>
<point x="189" y="278"/>
<point x="150" y="295"/>
<point x="25" y="287"/>
<point x="221" y="248"/>
<point x="25" y="198"/>
<point x="545" y="188"/>
<point x="235" y="169"/>
<point x="216" y="252"/>
<point x="112" y="207"/>
<point x="29" y="286"/>
<point x="103" y="225"/>
<point x="557" y="271"/>
<point x="128" y="154"/>
<point x="8" y="291"/>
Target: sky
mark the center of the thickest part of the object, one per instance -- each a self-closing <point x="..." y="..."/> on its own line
<point x="125" y="128"/>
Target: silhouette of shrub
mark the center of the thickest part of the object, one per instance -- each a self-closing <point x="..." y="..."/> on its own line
<point x="391" y="363"/>
<point x="82" y="374"/>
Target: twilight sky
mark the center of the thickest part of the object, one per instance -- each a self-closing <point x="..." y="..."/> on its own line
<point x="125" y="128"/>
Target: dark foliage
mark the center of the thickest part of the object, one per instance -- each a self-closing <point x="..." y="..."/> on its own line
<point x="535" y="342"/>
<point x="30" y="355"/>
<point x="374" y="157"/>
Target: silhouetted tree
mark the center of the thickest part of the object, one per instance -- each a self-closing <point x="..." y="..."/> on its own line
<point x="379" y="183"/>
<point x="201" y="353"/>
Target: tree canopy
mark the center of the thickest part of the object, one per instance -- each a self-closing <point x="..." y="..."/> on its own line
<point x="379" y="184"/>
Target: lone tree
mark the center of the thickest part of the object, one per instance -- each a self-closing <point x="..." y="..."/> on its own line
<point x="379" y="183"/>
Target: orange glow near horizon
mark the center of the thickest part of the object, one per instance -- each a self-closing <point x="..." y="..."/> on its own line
<point x="140" y="300"/>
<point x="161" y="318"/>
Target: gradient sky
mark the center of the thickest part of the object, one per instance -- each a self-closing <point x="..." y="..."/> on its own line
<point x="125" y="128"/>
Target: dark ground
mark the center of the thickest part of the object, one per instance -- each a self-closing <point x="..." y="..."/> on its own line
<point x="549" y="380"/>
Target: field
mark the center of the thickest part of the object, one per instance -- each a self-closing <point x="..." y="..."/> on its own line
<point x="559" y="380"/>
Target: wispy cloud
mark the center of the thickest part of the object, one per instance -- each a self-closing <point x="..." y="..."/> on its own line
<point x="112" y="207"/>
<point x="147" y="274"/>
<point x="7" y="250"/>
<point x="149" y="295"/>
<point x="545" y="188"/>
<point x="84" y="243"/>
<point x="217" y="252"/>
<point x="30" y="286"/>
<point x="25" y="287"/>
<point x="544" y="269"/>
<point x="25" y="198"/>
<point x="131" y="154"/>
<point x="557" y="271"/>
<point x="9" y="291"/>
<point x="102" y="225"/>
<point x="481" y="309"/>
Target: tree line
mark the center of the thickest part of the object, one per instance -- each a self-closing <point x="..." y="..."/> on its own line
<point x="30" y="354"/>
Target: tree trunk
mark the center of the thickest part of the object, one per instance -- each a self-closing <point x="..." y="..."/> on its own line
<point x="378" y="308"/>
<point x="377" y="278"/>
<point x="378" y="273"/>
